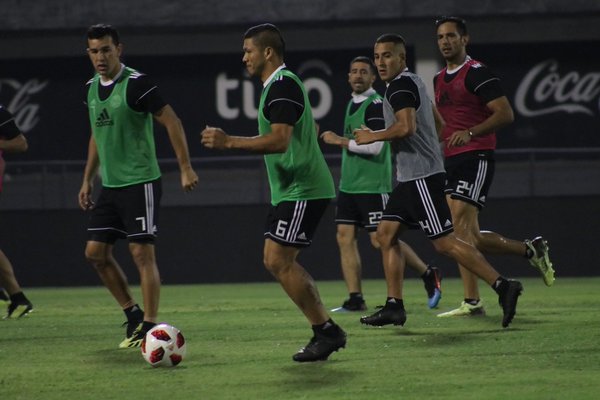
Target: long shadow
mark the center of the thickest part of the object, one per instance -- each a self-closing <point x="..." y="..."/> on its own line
<point x="319" y="374"/>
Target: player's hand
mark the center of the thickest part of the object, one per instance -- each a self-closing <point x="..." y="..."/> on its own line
<point x="330" y="137"/>
<point x="459" y="138"/>
<point x="364" y="135"/>
<point x="214" y="138"/>
<point x="85" y="197"/>
<point x="189" y="179"/>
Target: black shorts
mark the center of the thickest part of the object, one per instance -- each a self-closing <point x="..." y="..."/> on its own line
<point x="469" y="176"/>
<point x="129" y="212"/>
<point x="421" y="204"/>
<point x="293" y="223"/>
<point x="361" y="209"/>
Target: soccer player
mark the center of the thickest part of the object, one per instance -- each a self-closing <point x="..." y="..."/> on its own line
<point x="11" y="141"/>
<point x="300" y="181"/>
<point x="418" y="200"/>
<point x="122" y="104"/>
<point x="365" y="185"/>
<point x="471" y="101"/>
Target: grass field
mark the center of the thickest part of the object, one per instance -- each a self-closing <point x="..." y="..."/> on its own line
<point x="241" y="338"/>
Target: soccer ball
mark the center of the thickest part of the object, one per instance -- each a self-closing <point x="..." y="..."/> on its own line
<point x="163" y="346"/>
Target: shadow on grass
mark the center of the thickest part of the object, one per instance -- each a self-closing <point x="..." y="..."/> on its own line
<point x="319" y="374"/>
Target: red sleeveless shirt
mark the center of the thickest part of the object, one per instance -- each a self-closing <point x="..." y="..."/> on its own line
<point x="462" y="110"/>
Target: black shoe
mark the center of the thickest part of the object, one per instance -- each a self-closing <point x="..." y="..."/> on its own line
<point x="385" y="316"/>
<point x="135" y="338"/>
<point x="133" y="333"/>
<point x="18" y="309"/>
<point x="352" y="305"/>
<point x="132" y="325"/>
<point x="320" y="347"/>
<point x="508" y="301"/>
<point x="433" y="285"/>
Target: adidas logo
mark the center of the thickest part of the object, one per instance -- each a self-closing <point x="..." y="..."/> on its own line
<point x="302" y="236"/>
<point x="447" y="223"/>
<point x="482" y="199"/>
<point x="104" y="119"/>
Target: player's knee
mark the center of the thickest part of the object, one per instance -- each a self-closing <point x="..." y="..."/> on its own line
<point x="384" y="238"/>
<point x="375" y="242"/>
<point x="344" y="238"/>
<point x="141" y="256"/>
<point x="95" y="256"/>
<point x="444" y="245"/>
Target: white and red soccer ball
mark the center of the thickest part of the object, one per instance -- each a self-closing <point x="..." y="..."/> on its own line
<point x="163" y="346"/>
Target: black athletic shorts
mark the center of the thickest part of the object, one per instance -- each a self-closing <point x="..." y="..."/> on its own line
<point x="293" y="223"/>
<point x="129" y="212"/>
<point x="361" y="209"/>
<point x="469" y="176"/>
<point x="421" y="204"/>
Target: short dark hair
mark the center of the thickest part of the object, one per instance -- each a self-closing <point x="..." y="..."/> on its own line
<point x="99" y="31"/>
<point x="391" y="38"/>
<point x="366" y="60"/>
<point x="267" y="35"/>
<point x="461" y="24"/>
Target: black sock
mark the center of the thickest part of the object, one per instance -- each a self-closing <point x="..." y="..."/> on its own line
<point x="529" y="253"/>
<point x="393" y="302"/>
<point x="328" y="328"/>
<point x="18" y="298"/>
<point x="472" y="302"/>
<point x="356" y="296"/>
<point x="146" y="326"/>
<point x="427" y="272"/>
<point x="134" y="313"/>
<point x="500" y="285"/>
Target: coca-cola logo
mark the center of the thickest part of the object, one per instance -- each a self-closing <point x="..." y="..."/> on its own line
<point x="544" y="90"/>
<point x="21" y="105"/>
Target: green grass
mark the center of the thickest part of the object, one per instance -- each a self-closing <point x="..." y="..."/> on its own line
<point x="241" y="338"/>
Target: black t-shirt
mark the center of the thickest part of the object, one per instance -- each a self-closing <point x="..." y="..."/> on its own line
<point x="403" y="93"/>
<point x="284" y="103"/>
<point x="8" y="127"/>
<point x="142" y="94"/>
<point x="480" y="81"/>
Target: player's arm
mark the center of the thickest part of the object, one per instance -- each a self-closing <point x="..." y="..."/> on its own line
<point x="18" y="144"/>
<point x="284" y="106"/>
<point x="481" y="82"/>
<point x="502" y="115"/>
<point x="403" y="95"/>
<point x="374" y="121"/>
<point x="405" y="125"/>
<point x="167" y="117"/>
<point x="89" y="174"/>
<point x="144" y="96"/>
<point x="277" y="141"/>
<point x="11" y="138"/>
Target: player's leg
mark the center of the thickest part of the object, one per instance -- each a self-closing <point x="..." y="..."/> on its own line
<point x="394" y="263"/>
<point x="139" y="209"/>
<point x="431" y="276"/>
<point x="468" y="256"/>
<point x="535" y="250"/>
<point x="466" y="227"/>
<point x="144" y="257"/>
<point x="351" y="268"/>
<point x="281" y="262"/>
<point x="99" y="254"/>
<point x="348" y="218"/>
<point x="105" y="227"/>
<point x="18" y="304"/>
<point x="290" y="226"/>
